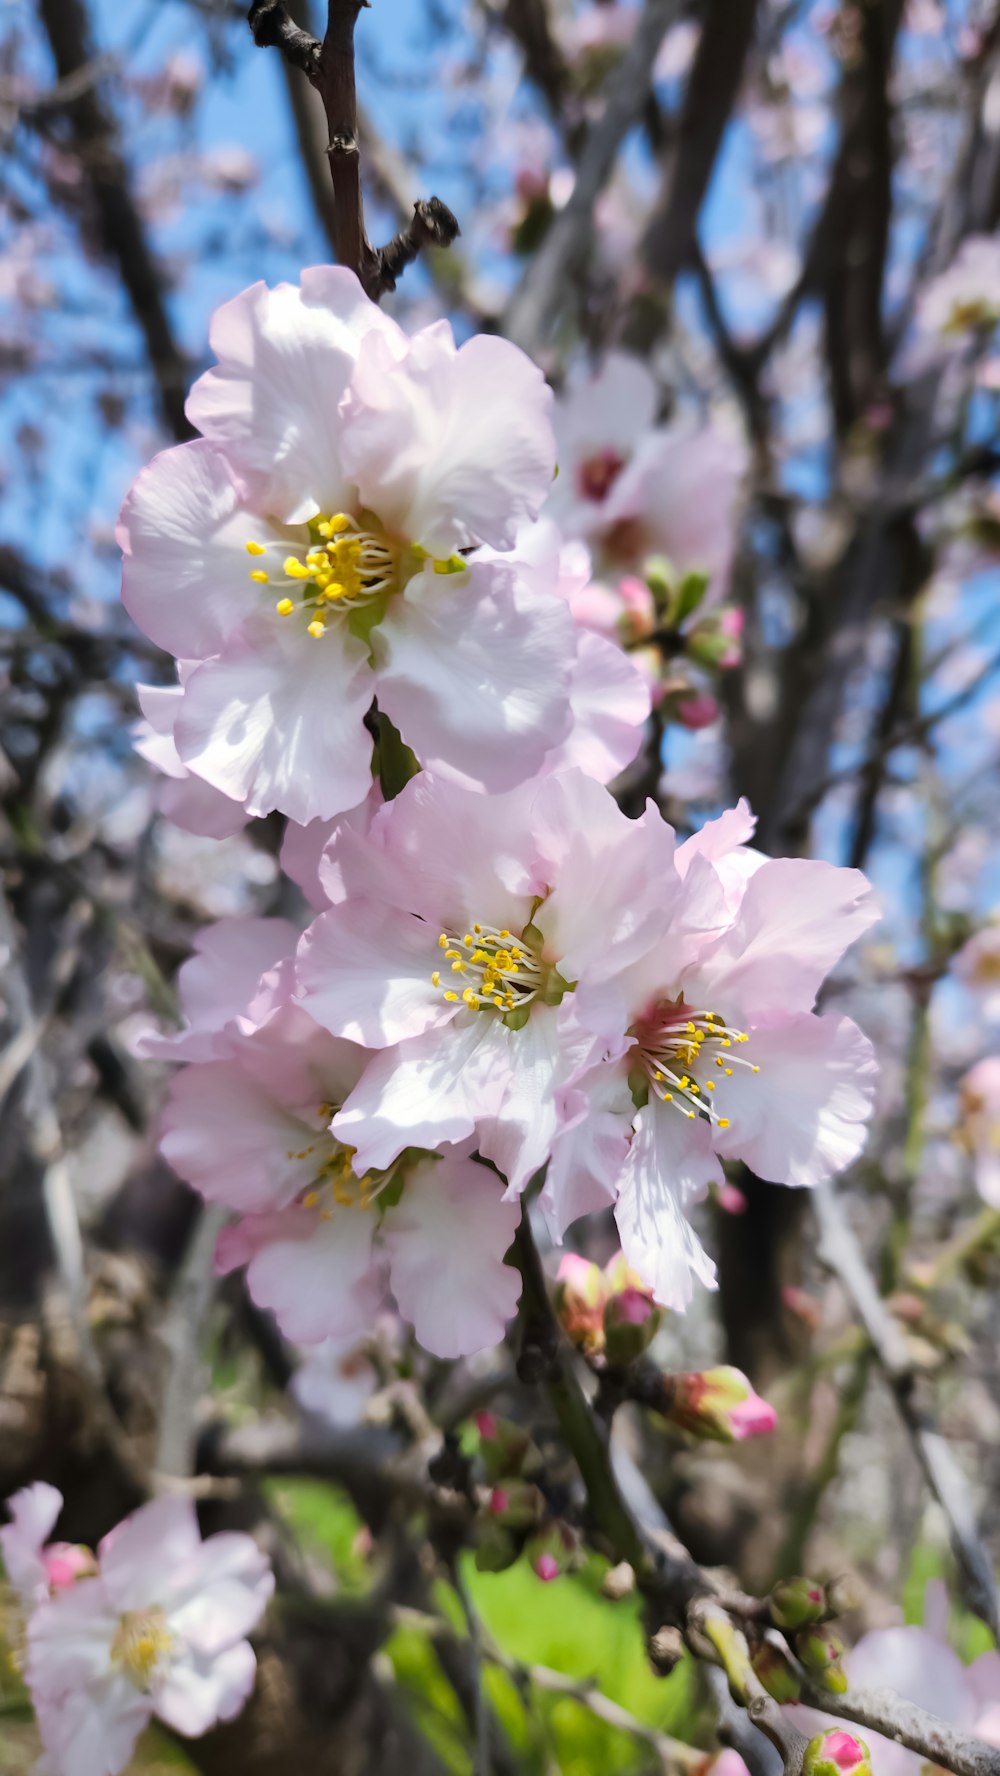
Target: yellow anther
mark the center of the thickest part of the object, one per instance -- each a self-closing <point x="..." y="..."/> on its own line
<point x="452" y="998"/>
<point x="337" y="523"/>
<point x="255" y="548"/>
<point x="317" y="628"/>
<point x="723" y="1122"/>
<point x="503" y="934"/>
<point x="477" y="928"/>
<point x="311" y="1199"/>
<point x="657" y="1075"/>
<point x="453" y="955"/>
<point x="691" y="1114"/>
<point x="710" y="1085"/>
<point x="443" y="941"/>
<point x="258" y="574"/>
<point x="729" y="1072"/>
<point x="755" y="1069"/>
<point x="668" y="1097"/>
<point x="691" y="1028"/>
<point x="284" y="607"/>
<point x="435" y="979"/>
<point x="458" y="967"/>
<point x="471" y="998"/>
<point x="498" y="1002"/>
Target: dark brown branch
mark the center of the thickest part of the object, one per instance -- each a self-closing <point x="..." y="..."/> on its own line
<point x="329" y="66"/>
<point x="96" y="142"/>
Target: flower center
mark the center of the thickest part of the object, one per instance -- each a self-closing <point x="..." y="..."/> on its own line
<point x="492" y="970"/>
<point x="597" y="475"/>
<point x="334" y="1183"/>
<point x="687" y="1056"/>
<point x="141" y="1641"/>
<point x="345" y="568"/>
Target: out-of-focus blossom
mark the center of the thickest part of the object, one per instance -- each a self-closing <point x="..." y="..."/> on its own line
<point x="966" y="297"/>
<point x="35" y="1566"/>
<point x="979" y="1098"/>
<point x="160" y="1630"/>
<point x="977" y="966"/>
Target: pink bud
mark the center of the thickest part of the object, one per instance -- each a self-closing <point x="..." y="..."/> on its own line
<point x="486" y="1425"/>
<point x="844" y="1749"/>
<point x="499" y="1501"/>
<point x="731" y="1200"/>
<point x="699" y="711"/>
<point x="65" y="1562"/>
<point x="546" y="1567"/>
<point x="718" y="1403"/>
<point x="752" y="1418"/>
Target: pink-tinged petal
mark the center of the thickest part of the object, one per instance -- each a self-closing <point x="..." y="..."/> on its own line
<point x="670" y="1164"/>
<point x="724" y="843"/>
<point x="294" y="1060"/>
<point x="446" y="1240"/>
<point x="474" y="670"/>
<point x="194" y="1693"/>
<point x="154" y="737"/>
<point x="183" y="531"/>
<point x="301" y="855"/>
<point x="428" y="1092"/>
<point x="449" y="448"/>
<point x="220" y="982"/>
<point x="318" y="1277"/>
<point x="93" y="1731"/>
<point x="225" y="1135"/>
<point x="34" y="1511"/>
<point x="219" y="1595"/>
<point x="349" y="832"/>
<point x="196" y="807"/>
<point x="285" y="360"/>
<point x="680" y="493"/>
<point x="455" y="856"/>
<point x="626" y="865"/>
<point x="364" y="972"/>
<point x="610" y="702"/>
<point x="796" y="919"/>
<point x="277" y="721"/>
<point x="804" y="1116"/>
<point x="590" y="1149"/>
<point x="518" y="1136"/>
<point x="139" y="1555"/>
<point x="69" y="1642"/>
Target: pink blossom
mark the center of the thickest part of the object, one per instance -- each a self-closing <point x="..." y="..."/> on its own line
<point x="977" y="966"/>
<point x="303" y="555"/>
<point x="228" y="977"/>
<point x="637" y="489"/>
<point x="726" y="1054"/>
<point x="475" y="949"/>
<point x="161" y="1630"/>
<point x="980" y="1125"/>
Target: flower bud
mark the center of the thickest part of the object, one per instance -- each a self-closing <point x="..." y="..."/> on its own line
<point x="580" y="1295"/>
<point x="794" y="1603"/>
<point x="551" y="1551"/>
<point x="631" y="1322"/>
<point x="775" y="1672"/>
<point x="698" y="710"/>
<point x="821" y="1651"/>
<point x="505" y="1448"/>
<point x="717" y="1403"/>
<point x="516" y="1504"/>
<point x="836" y="1754"/>
<point x="65" y="1562"/>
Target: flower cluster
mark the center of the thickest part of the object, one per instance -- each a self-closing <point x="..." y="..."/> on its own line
<point x="154" y="1623"/>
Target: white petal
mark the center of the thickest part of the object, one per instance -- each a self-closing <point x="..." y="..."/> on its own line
<point x="670" y="1164"/>
<point x="446" y="1240"/>
<point x="285" y="359"/>
<point x="277" y="722"/>
<point x="473" y="669"/>
<point x="427" y="1092"/>
<point x="183" y="531"/>
<point x="364" y="972"/>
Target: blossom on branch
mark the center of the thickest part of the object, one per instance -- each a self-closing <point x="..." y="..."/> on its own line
<point x="318" y="546"/>
<point x="155" y="1625"/>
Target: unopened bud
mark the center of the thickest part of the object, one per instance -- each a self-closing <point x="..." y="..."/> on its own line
<point x="552" y="1551"/>
<point x="794" y="1603"/>
<point x="821" y="1651"/>
<point x="717" y="1403"/>
<point x="836" y="1754"/>
<point x="631" y="1322"/>
<point x="505" y="1448"/>
<point x="699" y="710"/>
<point x="580" y="1294"/>
<point x="516" y="1504"/>
<point x="666" y="1650"/>
<point x="776" y="1674"/>
<point x="65" y="1562"/>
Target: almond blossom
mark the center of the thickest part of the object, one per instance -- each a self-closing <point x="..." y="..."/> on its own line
<point x="634" y="488"/>
<point x="247" y="1122"/>
<point x="316" y="547"/>
<point x="160" y="1630"/>
<point x="474" y="948"/>
<point x="727" y="1058"/>
<point x="980" y="1125"/>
